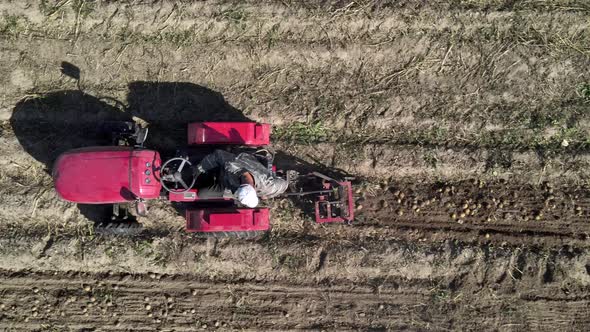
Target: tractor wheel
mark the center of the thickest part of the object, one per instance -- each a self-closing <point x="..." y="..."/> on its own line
<point x="245" y="235"/>
<point x="129" y="228"/>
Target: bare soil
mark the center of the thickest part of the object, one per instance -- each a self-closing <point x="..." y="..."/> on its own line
<point x="465" y="124"/>
<point x="285" y="283"/>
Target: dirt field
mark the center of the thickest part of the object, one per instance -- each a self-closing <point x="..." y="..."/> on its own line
<point x="465" y="122"/>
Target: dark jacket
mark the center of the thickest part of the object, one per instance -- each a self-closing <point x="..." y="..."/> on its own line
<point x="266" y="184"/>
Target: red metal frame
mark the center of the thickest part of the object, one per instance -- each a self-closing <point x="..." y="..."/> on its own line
<point x="228" y="219"/>
<point x="241" y="133"/>
<point x="188" y="196"/>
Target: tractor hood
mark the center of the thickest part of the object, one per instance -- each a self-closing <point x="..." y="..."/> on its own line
<point x="105" y="175"/>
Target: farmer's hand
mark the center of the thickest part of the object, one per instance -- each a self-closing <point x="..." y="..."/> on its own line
<point x="198" y="170"/>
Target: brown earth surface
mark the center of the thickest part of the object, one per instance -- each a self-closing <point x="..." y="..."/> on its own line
<point x="465" y="124"/>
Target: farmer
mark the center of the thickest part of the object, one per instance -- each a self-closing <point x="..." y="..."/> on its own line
<point x="241" y="176"/>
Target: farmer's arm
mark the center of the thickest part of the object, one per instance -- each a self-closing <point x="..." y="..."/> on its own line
<point x="247" y="178"/>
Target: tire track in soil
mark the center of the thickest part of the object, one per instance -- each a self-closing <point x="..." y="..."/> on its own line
<point x="475" y="211"/>
<point x="120" y="302"/>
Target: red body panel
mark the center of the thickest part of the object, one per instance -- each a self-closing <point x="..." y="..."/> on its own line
<point x="227" y="220"/>
<point x="193" y="196"/>
<point x="242" y="133"/>
<point x="189" y="196"/>
<point x="104" y="175"/>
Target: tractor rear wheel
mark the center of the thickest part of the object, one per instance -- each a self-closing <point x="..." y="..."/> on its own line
<point x="124" y="228"/>
<point x="246" y="235"/>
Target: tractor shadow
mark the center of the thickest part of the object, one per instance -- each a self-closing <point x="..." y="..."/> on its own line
<point x="168" y="108"/>
<point x="51" y="124"/>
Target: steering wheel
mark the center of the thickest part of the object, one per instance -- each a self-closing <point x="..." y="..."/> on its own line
<point x="171" y="174"/>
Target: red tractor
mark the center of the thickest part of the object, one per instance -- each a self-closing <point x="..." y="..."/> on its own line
<point x="126" y="173"/>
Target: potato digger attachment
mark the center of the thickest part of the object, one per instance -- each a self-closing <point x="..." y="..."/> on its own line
<point x="127" y="175"/>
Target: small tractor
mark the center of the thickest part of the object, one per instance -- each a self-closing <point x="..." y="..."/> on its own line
<point x="128" y="175"/>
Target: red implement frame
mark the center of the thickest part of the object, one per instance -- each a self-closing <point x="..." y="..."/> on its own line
<point x="344" y="204"/>
<point x="240" y="133"/>
<point x="332" y="200"/>
<point x="227" y="220"/>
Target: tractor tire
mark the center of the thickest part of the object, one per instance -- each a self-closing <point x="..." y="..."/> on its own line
<point x="244" y="235"/>
<point x="130" y="228"/>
